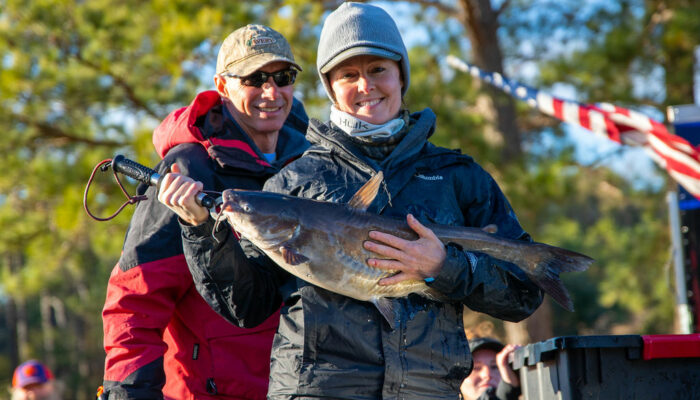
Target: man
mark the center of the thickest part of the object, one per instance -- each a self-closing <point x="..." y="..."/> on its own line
<point x="491" y="378"/>
<point x="33" y="381"/>
<point x="161" y="338"/>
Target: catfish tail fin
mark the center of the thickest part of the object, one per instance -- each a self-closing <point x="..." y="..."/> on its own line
<point x="557" y="260"/>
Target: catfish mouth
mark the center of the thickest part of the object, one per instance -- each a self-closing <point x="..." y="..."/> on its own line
<point x="265" y="232"/>
<point x="236" y="210"/>
<point x="265" y="229"/>
<point x="231" y="201"/>
<point x="233" y="212"/>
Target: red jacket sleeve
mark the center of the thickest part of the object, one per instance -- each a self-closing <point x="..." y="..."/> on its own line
<point x="140" y="303"/>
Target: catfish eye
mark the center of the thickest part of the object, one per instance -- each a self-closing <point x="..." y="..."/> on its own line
<point x="246" y="207"/>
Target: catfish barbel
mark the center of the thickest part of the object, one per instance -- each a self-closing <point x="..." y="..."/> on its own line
<point x="321" y="243"/>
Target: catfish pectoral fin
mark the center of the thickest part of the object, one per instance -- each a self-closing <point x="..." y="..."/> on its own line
<point x="291" y="256"/>
<point x="546" y="273"/>
<point x="364" y="197"/>
<point x="386" y="308"/>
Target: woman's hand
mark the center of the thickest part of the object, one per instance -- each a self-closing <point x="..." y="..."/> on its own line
<point x="178" y="193"/>
<point x="413" y="259"/>
<point x="507" y="373"/>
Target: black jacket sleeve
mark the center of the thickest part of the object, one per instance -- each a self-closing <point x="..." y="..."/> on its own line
<point x="144" y="383"/>
<point x="487" y="286"/>
<point x="235" y="278"/>
<point x="481" y="282"/>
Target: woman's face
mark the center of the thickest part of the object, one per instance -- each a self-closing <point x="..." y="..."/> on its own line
<point x="368" y="88"/>
<point x="484" y="374"/>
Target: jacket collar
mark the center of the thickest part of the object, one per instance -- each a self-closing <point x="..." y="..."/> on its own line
<point x="330" y="138"/>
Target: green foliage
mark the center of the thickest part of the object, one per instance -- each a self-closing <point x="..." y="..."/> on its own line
<point x="81" y="81"/>
<point x="676" y="38"/>
<point x="458" y="126"/>
<point x="298" y="21"/>
<point x="640" y="52"/>
<point x="595" y="212"/>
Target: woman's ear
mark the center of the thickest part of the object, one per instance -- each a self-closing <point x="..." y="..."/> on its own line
<point x="330" y="89"/>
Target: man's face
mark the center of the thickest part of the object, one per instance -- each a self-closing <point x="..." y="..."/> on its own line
<point x="260" y="110"/>
<point x="484" y="375"/>
<point x="37" y="391"/>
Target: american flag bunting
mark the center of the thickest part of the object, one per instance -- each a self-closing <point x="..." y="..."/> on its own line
<point x="673" y="153"/>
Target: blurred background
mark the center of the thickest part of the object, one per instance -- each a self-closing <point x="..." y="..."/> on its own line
<point x="83" y="80"/>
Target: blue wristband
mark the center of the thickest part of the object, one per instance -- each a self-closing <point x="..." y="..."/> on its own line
<point x="429" y="279"/>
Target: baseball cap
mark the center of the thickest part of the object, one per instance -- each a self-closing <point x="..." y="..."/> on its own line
<point x="251" y="47"/>
<point x="481" y="343"/>
<point x="30" y="372"/>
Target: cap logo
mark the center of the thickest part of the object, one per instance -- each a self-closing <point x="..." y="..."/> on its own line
<point x="260" y="41"/>
<point x="30" y="370"/>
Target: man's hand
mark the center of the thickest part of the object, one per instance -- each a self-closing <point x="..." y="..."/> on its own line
<point x="178" y="193"/>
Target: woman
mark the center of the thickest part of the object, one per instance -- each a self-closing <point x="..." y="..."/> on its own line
<point x="492" y="378"/>
<point x="332" y="346"/>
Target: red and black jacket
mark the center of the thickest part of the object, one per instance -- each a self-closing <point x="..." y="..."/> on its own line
<point x="161" y="338"/>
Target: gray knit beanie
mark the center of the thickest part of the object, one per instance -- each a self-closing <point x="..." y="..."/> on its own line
<point x="355" y="29"/>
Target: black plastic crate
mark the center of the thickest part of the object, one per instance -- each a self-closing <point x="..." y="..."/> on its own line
<point x="631" y="367"/>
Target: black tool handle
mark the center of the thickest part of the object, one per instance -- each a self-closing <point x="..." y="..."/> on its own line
<point x="150" y="177"/>
<point x="135" y="170"/>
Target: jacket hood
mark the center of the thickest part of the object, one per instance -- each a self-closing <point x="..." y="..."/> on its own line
<point x="180" y="125"/>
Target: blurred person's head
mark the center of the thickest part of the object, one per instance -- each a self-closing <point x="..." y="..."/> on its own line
<point x="255" y="74"/>
<point x="32" y="380"/>
<point x="485" y="373"/>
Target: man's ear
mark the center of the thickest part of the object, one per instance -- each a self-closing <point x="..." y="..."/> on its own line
<point x="220" y="84"/>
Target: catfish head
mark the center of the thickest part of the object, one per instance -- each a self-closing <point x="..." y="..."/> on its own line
<point x="266" y="219"/>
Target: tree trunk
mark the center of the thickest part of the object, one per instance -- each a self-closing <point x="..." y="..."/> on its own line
<point x="47" y="328"/>
<point x="539" y="325"/>
<point x="82" y="342"/>
<point x="22" y="329"/>
<point x="11" y="321"/>
<point x="20" y="334"/>
<point x="81" y="349"/>
<point x="481" y="22"/>
<point x="536" y="328"/>
<point x="516" y="333"/>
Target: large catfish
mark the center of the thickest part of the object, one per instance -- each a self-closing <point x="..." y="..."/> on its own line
<point x="321" y="243"/>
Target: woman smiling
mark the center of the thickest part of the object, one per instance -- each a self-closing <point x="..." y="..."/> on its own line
<point x="368" y="88"/>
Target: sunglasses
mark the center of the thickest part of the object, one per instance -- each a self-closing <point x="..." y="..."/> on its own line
<point x="258" y="78"/>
